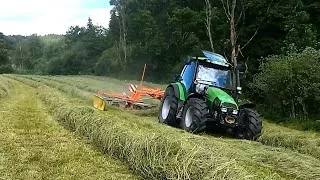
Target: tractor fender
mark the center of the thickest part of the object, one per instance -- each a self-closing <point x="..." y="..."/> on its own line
<point x="248" y="105"/>
<point x="179" y="91"/>
<point x="194" y="95"/>
<point x="199" y="96"/>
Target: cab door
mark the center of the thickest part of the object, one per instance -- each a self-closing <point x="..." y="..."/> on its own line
<point x="187" y="76"/>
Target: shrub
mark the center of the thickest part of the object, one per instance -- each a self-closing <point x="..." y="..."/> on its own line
<point x="6" y="69"/>
<point x="289" y="86"/>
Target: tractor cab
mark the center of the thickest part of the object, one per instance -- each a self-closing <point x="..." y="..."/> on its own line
<point x="210" y="74"/>
<point x="213" y="70"/>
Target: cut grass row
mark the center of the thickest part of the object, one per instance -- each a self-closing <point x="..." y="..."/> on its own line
<point x="258" y="160"/>
<point x="273" y="135"/>
<point x="72" y="90"/>
<point x="34" y="146"/>
<point x="89" y="85"/>
<point x="306" y="142"/>
<point x="36" y="81"/>
<point x="93" y="83"/>
<point x="4" y="87"/>
<point x="153" y="156"/>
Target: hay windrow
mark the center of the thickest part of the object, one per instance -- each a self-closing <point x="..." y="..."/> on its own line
<point x="275" y="136"/>
<point x="71" y="90"/>
<point x="153" y="156"/>
<point x="5" y="86"/>
<point x="303" y="142"/>
<point x="250" y="159"/>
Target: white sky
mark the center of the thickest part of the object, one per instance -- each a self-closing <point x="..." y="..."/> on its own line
<point x="42" y="17"/>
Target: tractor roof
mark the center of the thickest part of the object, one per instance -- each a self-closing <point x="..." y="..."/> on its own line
<point x="214" y="58"/>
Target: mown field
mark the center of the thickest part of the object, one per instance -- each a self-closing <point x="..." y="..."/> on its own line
<point x="49" y="130"/>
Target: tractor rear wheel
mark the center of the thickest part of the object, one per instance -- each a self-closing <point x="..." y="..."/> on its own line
<point x="195" y="115"/>
<point x="168" y="108"/>
<point x="250" y="125"/>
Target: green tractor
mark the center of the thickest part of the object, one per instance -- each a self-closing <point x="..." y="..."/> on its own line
<point x="205" y="94"/>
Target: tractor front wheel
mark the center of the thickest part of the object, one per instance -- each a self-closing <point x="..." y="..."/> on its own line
<point x="195" y="115"/>
<point x="168" y="108"/>
<point x="250" y="125"/>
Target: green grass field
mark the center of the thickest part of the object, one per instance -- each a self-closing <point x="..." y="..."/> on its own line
<point x="48" y="121"/>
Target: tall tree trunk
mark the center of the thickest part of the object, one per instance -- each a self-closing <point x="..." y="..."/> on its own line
<point x="304" y="108"/>
<point x="120" y="48"/>
<point x="233" y="39"/>
<point x="123" y="36"/>
<point x="233" y="34"/>
<point x="293" y="111"/>
<point x="208" y="22"/>
<point x="124" y="45"/>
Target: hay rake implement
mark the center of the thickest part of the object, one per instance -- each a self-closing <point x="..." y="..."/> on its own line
<point x="135" y="99"/>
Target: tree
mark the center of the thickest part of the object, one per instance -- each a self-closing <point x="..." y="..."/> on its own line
<point x="235" y="12"/>
<point x="90" y="24"/>
<point x="5" y="66"/>
<point x="120" y="8"/>
<point x="3" y="53"/>
<point x="208" y="21"/>
<point x="301" y="33"/>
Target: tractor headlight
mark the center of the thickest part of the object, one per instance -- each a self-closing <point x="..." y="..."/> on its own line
<point x="224" y="110"/>
<point x="235" y="112"/>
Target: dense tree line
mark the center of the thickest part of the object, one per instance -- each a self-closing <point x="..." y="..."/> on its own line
<point x="273" y="37"/>
<point x="5" y="66"/>
<point x="77" y="52"/>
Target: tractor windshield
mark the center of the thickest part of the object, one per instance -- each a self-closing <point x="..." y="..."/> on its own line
<point x="213" y="76"/>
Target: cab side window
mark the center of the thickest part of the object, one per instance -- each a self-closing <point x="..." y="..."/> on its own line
<point x="188" y="75"/>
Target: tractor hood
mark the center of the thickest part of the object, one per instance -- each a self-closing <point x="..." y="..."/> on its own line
<point x="224" y="98"/>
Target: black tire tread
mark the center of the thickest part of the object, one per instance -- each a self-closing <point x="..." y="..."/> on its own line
<point x="171" y="120"/>
<point x="253" y="124"/>
<point x="200" y="116"/>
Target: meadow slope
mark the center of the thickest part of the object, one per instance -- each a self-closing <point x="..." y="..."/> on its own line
<point x="158" y="151"/>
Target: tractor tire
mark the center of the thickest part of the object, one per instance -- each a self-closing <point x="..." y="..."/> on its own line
<point x="195" y="115"/>
<point x="250" y="125"/>
<point x="168" y="108"/>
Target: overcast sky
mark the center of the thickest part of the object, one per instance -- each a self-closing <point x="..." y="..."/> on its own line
<point x="27" y="17"/>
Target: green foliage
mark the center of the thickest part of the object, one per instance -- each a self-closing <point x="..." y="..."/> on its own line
<point x="301" y="33"/>
<point x="3" y="54"/>
<point x="6" y="69"/>
<point x="290" y="85"/>
<point x="301" y="124"/>
<point x="109" y="62"/>
<point x="3" y="51"/>
<point x="162" y="33"/>
<point x="5" y="66"/>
